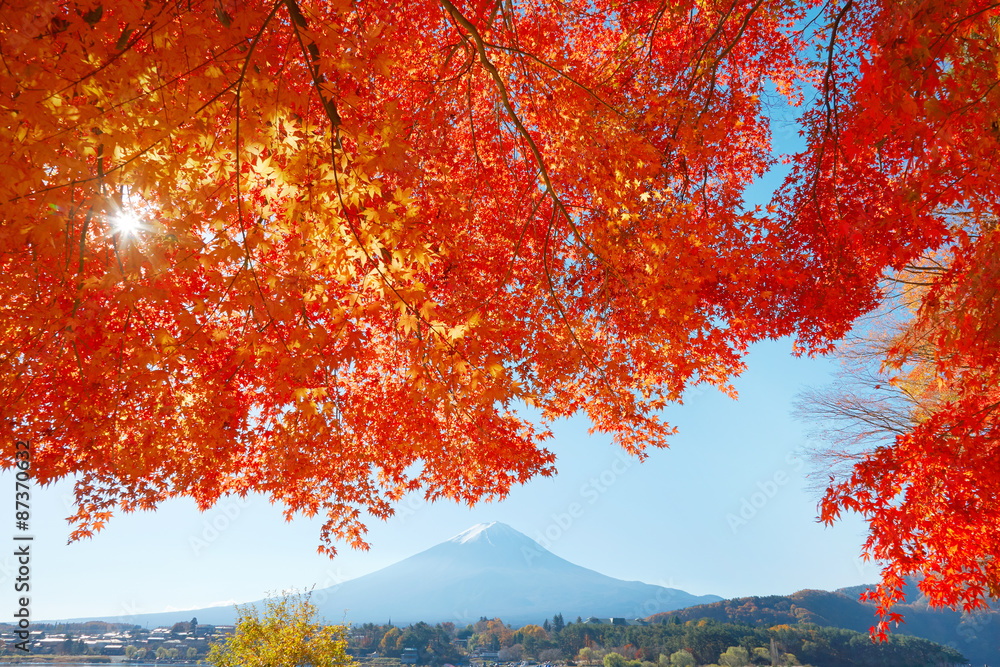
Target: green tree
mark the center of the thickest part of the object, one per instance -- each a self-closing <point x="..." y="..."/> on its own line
<point x="191" y="653"/>
<point x="439" y="647"/>
<point x="531" y="646"/>
<point x="615" y="660"/>
<point x="735" y="656"/>
<point x="285" y="634"/>
<point x="682" y="658"/>
<point x="417" y="637"/>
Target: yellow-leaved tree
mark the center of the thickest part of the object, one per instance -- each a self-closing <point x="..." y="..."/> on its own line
<point x="286" y="632"/>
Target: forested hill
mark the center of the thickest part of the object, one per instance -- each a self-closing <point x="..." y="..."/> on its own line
<point x="975" y="636"/>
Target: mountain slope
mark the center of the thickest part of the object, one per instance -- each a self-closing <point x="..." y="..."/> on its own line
<point x="975" y="636"/>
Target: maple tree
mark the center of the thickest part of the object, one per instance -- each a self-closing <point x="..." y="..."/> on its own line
<point x="900" y="178"/>
<point x="913" y="418"/>
<point x="367" y="233"/>
<point x="325" y="250"/>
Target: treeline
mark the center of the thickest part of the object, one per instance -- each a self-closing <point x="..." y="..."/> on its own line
<point x="77" y="627"/>
<point x="432" y="643"/>
<point x="707" y="641"/>
<point x="975" y="635"/>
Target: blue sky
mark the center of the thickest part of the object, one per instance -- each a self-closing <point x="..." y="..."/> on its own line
<point x="724" y="510"/>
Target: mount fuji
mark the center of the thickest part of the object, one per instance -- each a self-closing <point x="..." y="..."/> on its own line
<point x="488" y="570"/>
<point x="493" y="570"/>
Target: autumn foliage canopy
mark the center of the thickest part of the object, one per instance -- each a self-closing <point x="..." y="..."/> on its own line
<point x="326" y="250"/>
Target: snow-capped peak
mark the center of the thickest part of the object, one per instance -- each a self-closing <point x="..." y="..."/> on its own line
<point x="474" y="534"/>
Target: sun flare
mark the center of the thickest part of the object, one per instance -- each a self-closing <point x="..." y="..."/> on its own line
<point x="127" y="223"/>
